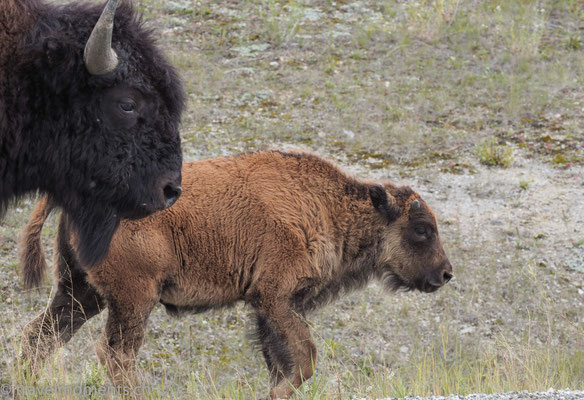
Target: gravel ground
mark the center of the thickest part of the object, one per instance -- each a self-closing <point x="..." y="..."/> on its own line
<point x="551" y="394"/>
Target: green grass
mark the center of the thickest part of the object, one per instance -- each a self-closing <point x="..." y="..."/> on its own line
<point x="493" y="154"/>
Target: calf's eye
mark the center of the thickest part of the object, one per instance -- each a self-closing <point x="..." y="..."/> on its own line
<point x="420" y="230"/>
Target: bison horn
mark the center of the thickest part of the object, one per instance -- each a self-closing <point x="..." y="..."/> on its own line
<point x="415" y="205"/>
<point x="99" y="56"/>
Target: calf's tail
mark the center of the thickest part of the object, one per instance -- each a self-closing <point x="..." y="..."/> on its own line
<point x="32" y="258"/>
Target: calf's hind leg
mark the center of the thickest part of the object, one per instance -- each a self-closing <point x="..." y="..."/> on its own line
<point x="74" y="303"/>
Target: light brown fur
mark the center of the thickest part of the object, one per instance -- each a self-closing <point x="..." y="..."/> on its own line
<point x="284" y="232"/>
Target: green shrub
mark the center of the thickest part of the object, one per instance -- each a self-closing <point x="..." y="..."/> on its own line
<point x="493" y="154"/>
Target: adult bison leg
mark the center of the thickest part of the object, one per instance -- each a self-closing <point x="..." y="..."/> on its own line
<point x="124" y="332"/>
<point x="74" y="303"/>
<point x="287" y="345"/>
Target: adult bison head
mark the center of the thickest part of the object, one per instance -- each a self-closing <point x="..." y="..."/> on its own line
<point x="108" y="109"/>
<point x="411" y="256"/>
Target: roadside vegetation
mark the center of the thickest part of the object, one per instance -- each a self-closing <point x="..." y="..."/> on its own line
<point x="477" y="105"/>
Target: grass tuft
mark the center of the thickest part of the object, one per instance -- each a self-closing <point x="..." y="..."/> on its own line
<point x="493" y="154"/>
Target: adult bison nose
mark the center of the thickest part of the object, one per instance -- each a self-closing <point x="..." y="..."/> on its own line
<point x="172" y="192"/>
<point x="171" y="189"/>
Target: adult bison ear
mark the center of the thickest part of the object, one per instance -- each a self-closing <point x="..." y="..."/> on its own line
<point x="55" y="62"/>
<point x="382" y="203"/>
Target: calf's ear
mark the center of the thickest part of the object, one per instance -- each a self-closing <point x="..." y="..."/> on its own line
<point x="378" y="196"/>
<point x="382" y="203"/>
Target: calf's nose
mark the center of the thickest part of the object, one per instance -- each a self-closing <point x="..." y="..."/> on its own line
<point x="441" y="277"/>
<point x="447" y="276"/>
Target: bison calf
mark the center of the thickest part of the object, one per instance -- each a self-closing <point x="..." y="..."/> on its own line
<point x="284" y="232"/>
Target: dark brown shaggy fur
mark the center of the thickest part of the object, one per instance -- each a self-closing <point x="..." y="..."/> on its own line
<point x="284" y="232"/>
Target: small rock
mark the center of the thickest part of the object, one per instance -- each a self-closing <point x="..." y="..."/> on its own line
<point x="175" y="6"/>
<point x="312" y="14"/>
<point x="249" y="51"/>
<point x="350" y="134"/>
<point x="467" y="329"/>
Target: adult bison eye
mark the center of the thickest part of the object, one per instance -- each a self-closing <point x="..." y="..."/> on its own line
<point x="420" y="230"/>
<point x="128" y="106"/>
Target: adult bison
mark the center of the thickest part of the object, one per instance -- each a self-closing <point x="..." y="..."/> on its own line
<point x="284" y="232"/>
<point x="91" y="123"/>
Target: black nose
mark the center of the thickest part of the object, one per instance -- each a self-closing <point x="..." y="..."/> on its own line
<point x="439" y="278"/>
<point x="447" y="276"/>
<point x="171" y="193"/>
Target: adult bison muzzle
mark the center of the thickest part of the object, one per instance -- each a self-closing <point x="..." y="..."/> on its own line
<point x="284" y="232"/>
<point x="89" y="114"/>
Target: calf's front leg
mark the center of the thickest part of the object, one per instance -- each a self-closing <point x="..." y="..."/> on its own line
<point x="287" y="346"/>
<point x="123" y="337"/>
